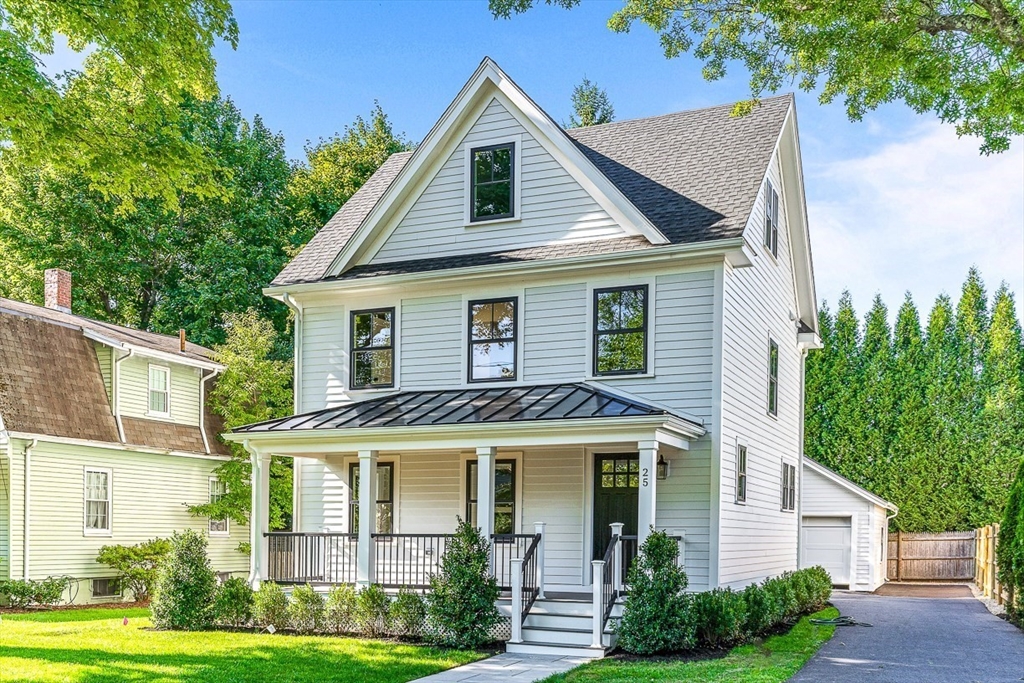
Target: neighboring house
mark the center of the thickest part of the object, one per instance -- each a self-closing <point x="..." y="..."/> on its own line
<point x="549" y="332"/>
<point x="845" y="528"/>
<point x="104" y="439"/>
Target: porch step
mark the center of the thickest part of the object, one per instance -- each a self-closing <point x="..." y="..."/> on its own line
<point x="555" y="649"/>
<point x="562" y="626"/>
<point x="563" y="636"/>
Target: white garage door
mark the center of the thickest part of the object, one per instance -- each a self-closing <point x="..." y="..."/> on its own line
<point x="828" y="541"/>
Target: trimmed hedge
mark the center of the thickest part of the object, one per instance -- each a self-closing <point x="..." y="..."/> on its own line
<point x="1010" y="548"/>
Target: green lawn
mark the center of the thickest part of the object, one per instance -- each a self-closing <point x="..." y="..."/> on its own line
<point x="773" y="661"/>
<point x="94" y="646"/>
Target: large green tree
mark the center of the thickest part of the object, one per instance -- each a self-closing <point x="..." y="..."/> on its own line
<point x="157" y="268"/>
<point x="113" y="122"/>
<point x="963" y="60"/>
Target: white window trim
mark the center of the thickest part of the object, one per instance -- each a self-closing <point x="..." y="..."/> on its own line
<point x="746" y="474"/>
<point x="768" y="377"/>
<point x="517" y="182"/>
<point x="497" y="293"/>
<point x="396" y="344"/>
<point x="770" y="181"/>
<point x="517" y="456"/>
<point x="792" y="484"/>
<point x="227" y="522"/>
<point x="92" y="586"/>
<point x="149" y="391"/>
<point x="652" y="313"/>
<point x="396" y="472"/>
<point x="109" y="531"/>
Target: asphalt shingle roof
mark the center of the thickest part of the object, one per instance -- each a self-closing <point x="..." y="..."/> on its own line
<point x="694" y="174"/>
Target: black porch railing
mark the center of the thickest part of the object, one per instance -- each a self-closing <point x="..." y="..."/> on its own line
<point x="314" y="558"/>
<point x="504" y="549"/>
<point x="409" y="560"/>
<point x="609" y="588"/>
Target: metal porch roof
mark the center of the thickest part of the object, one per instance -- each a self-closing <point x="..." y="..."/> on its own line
<point x="469" y="406"/>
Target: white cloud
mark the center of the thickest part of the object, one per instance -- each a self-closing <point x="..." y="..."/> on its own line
<point x="914" y="216"/>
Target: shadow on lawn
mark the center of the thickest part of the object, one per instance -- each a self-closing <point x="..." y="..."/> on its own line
<point x="287" y="661"/>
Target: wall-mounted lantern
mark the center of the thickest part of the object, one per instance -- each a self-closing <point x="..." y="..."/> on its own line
<point x="662" y="468"/>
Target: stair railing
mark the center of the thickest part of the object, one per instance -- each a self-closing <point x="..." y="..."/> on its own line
<point x="527" y="574"/>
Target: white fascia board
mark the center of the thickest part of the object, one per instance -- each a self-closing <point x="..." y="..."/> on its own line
<point x="791" y="163"/>
<point x="151" y="353"/>
<point x="710" y="250"/>
<point x="485" y="81"/>
<point x="809" y="340"/>
<point x="46" y="438"/>
<point x="320" y="442"/>
<point x="847" y="484"/>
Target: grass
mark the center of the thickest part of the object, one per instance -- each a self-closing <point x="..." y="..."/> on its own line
<point x="772" y="661"/>
<point x="94" y="646"/>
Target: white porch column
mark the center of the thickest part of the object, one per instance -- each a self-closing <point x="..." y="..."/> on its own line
<point x="538" y="528"/>
<point x="516" y="572"/>
<point x="366" y="550"/>
<point x="598" y="604"/>
<point x="485" y="490"/>
<point x="647" y="516"/>
<point x="259" y="518"/>
<point x="617" y="528"/>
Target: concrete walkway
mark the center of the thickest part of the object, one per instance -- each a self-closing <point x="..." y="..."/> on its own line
<point x="506" y="667"/>
<point x="918" y="640"/>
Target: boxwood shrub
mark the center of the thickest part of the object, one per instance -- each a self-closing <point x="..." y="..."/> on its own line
<point x="657" y="615"/>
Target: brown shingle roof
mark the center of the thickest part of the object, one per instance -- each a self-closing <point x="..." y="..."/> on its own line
<point x="694" y="174"/>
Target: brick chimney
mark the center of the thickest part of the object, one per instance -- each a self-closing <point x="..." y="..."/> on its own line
<point x="58" y="289"/>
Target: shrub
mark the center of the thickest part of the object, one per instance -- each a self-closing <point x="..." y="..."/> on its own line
<point x="372" y="608"/>
<point x="781" y="590"/>
<point x="186" y="585"/>
<point x="407" y="614"/>
<point x="46" y="592"/>
<point x="138" y="566"/>
<point x="460" y="607"/>
<point x="801" y="590"/>
<point x="307" y="610"/>
<point x="341" y="609"/>
<point x="762" y="612"/>
<point x="819" y="585"/>
<point x="1010" y="548"/>
<point x="270" y="606"/>
<point x="233" y="604"/>
<point x="719" y="617"/>
<point x="656" y="618"/>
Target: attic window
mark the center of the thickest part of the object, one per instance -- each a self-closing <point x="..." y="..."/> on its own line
<point x="492" y="182"/>
<point x="771" y="219"/>
<point x="159" y="391"/>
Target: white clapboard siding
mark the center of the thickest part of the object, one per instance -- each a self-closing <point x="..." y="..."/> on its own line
<point x="431" y="342"/>
<point x="104" y="356"/>
<point x="554" y="206"/>
<point x="757" y="539"/>
<point x="324" y="499"/>
<point x="555" y="333"/>
<point x="684" y="505"/>
<point x="150" y="493"/>
<point x="5" y="519"/>
<point x="134" y="389"/>
<point x="553" y="486"/>
<point x="324" y="357"/>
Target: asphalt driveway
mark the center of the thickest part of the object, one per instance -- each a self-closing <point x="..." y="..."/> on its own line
<point x="918" y="640"/>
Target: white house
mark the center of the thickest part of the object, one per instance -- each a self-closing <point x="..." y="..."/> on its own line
<point x="104" y="439"/>
<point x="845" y="528"/>
<point x="550" y="332"/>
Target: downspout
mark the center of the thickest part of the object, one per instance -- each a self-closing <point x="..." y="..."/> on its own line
<point x="800" y="459"/>
<point x="296" y="307"/>
<point x="117" y="393"/>
<point x="28" y="507"/>
<point x="202" y="408"/>
<point x="885" y="560"/>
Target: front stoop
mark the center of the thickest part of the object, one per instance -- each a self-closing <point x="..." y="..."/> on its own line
<point x="561" y="627"/>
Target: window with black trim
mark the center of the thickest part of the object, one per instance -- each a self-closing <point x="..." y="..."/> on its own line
<point x="385" y="498"/>
<point x="741" y="474"/>
<point x="620" y="330"/>
<point x="372" y="349"/>
<point x="492" y="182"/>
<point x="788" y="487"/>
<point x="504" y="495"/>
<point x="771" y="218"/>
<point x="492" y="340"/>
<point x="773" y="377"/>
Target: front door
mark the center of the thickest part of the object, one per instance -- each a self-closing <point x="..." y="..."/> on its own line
<point x="616" y="496"/>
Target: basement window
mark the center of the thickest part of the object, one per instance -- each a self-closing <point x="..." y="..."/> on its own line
<point x="492" y="182"/>
<point x="106" y="588"/>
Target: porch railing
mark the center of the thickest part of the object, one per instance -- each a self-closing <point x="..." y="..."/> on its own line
<point x="408" y="560"/>
<point x="314" y="558"/>
<point x="525" y="582"/>
<point x="504" y="549"/>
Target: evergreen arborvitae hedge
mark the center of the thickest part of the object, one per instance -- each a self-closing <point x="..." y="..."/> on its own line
<point x="1010" y="549"/>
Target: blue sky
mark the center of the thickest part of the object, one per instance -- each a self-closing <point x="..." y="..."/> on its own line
<point x="896" y="202"/>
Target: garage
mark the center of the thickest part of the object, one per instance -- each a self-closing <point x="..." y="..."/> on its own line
<point x="843" y="528"/>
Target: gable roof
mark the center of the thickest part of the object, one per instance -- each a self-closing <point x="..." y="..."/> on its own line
<point x="839" y="479"/>
<point x="692" y="176"/>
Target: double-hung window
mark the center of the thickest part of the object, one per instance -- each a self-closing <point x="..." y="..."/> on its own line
<point x="620" y="330"/>
<point x="218" y="489"/>
<point x="504" y="495"/>
<point x="159" y="391"/>
<point x="385" y="498"/>
<point x="771" y="218"/>
<point x="788" y="487"/>
<point x="741" y="474"/>
<point x="492" y="182"/>
<point x="773" y="377"/>
<point x="492" y="340"/>
<point x="372" y="349"/>
<point x="97" y="501"/>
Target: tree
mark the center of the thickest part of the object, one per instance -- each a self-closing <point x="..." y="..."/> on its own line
<point x="155" y="268"/>
<point x="841" y="445"/>
<point x="875" y="408"/>
<point x="819" y="390"/>
<point x="963" y="60"/>
<point x="114" y="121"/>
<point x="590" y="106"/>
<point x="970" y="334"/>
<point x="253" y="387"/>
<point x="337" y="167"/>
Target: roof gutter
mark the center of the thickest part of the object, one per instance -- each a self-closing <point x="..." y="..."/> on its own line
<point x="150" y="353"/>
<point x="116" y="391"/>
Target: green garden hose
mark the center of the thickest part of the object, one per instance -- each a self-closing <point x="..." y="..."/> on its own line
<point x="839" y="621"/>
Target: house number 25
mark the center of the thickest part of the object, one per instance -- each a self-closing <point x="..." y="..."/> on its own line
<point x="645" y="477"/>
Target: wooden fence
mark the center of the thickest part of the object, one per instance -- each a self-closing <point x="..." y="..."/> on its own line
<point x="985" y="576"/>
<point x="947" y="556"/>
